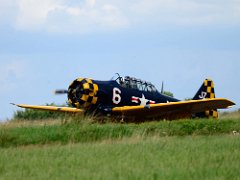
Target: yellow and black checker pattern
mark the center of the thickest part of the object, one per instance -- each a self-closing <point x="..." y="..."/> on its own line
<point x="88" y="96"/>
<point x="212" y="113"/>
<point x="209" y="85"/>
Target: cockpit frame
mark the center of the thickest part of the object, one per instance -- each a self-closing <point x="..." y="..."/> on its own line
<point x="134" y="83"/>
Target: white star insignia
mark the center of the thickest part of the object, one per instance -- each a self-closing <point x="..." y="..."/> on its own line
<point x="143" y="100"/>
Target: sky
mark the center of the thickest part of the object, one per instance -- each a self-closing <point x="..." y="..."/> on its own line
<point x="46" y="44"/>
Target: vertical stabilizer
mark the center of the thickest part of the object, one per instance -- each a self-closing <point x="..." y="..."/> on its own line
<point x="206" y="91"/>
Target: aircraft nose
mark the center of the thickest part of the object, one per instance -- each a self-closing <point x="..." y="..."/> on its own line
<point x="82" y="93"/>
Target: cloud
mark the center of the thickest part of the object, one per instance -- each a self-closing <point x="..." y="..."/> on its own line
<point x="33" y="14"/>
<point x="11" y="73"/>
<point x="64" y="16"/>
<point x="189" y="12"/>
<point x="58" y="16"/>
<point x="8" y="11"/>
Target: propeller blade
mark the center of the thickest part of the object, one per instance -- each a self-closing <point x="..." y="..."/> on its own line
<point x="60" y="91"/>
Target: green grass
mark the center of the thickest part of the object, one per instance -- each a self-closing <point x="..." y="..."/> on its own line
<point x="188" y="157"/>
<point x="79" y="148"/>
<point x="84" y="132"/>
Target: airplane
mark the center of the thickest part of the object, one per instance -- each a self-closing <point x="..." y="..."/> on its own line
<point x="133" y="100"/>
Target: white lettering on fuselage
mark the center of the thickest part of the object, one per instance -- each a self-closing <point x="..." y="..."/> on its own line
<point x="116" y="96"/>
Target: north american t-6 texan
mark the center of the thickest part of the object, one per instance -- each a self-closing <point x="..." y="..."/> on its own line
<point x="133" y="100"/>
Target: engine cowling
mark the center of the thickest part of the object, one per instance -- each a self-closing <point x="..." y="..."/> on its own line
<point x="82" y="93"/>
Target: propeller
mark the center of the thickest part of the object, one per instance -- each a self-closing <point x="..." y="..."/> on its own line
<point x="60" y="91"/>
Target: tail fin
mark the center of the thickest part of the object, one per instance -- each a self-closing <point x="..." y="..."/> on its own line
<point x="206" y="91"/>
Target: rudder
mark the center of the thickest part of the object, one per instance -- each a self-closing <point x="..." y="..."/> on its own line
<point x="206" y="91"/>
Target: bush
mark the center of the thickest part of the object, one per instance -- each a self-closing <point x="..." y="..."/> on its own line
<point x="168" y="93"/>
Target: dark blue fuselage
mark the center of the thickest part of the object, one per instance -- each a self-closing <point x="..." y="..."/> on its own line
<point x="111" y="94"/>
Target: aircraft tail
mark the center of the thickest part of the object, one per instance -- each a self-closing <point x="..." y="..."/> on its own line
<point x="206" y="91"/>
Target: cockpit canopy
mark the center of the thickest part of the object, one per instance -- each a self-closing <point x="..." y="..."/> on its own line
<point x="133" y="83"/>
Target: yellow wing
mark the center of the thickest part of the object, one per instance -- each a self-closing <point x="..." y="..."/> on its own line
<point x="51" y="108"/>
<point x="173" y="110"/>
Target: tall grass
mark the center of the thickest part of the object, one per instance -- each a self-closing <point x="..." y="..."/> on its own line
<point x="85" y="131"/>
<point x="230" y="115"/>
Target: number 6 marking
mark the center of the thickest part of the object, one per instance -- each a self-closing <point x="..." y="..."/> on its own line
<point x="116" y="95"/>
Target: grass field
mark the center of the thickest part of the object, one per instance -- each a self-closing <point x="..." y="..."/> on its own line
<point x="186" y="149"/>
<point x="200" y="157"/>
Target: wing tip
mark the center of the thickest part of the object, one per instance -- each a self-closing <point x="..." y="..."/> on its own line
<point x="18" y="105"/>
<point x="231" y="103"/>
